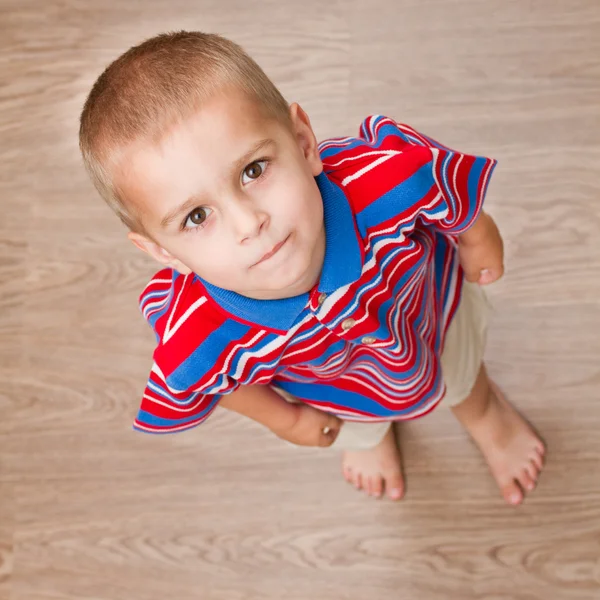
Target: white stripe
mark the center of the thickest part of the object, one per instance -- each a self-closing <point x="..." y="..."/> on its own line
<point x="169" y="332"/>
<point x="366" y="169"/>
<point x="266" y="349"/>
<point x="152" y="429"/>
<point x="455" y="189"/>
<point x="335" y="142"/>
<point x="182" y="409"/>
<point x="152" y="305"/>
<point x="360" y="156"/>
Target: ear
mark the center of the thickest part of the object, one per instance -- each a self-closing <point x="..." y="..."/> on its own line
<point x="306" y="139"/>
<point x="157" y="252"/>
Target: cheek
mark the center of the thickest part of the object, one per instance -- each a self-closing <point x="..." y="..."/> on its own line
<point x="308" y="207"/>
<point x="212" y="260"/>
<point x="302" y="199"/>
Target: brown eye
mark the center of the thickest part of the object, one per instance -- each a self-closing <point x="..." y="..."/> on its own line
<point x="196" y="217"/>
<point x="254" y="170"/>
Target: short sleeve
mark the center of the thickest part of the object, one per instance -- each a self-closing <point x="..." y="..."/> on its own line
<point x="167" y="410"/>
<point x="188" y="376"/>
<point x="395" y="176"/>
<point x="461" y="179"/>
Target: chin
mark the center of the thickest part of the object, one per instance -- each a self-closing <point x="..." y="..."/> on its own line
<point x="291" y="281"/>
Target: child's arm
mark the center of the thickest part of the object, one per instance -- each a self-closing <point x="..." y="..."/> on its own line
<point x="297" y="423"/>
<point x="481" y="251"/>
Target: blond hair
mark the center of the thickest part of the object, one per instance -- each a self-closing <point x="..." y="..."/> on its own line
<point x="155" y="85"/>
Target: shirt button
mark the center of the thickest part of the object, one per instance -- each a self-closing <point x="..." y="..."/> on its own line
<point x="322" y="298"/>
<point x="368" y="339"/>
<point x="348" y="324"/>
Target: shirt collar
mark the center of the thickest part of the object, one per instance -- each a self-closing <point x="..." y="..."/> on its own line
<point x="342" y="265"/>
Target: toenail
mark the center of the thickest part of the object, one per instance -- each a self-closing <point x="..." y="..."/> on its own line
<point x="515" y="498"/>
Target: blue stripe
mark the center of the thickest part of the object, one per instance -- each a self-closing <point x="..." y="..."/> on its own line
<point x="165" y="431"/>
<point x="146" y="298"/>
<point x="382" y="314"/>
<point x="475" y="174"/>
<point x="201" y="360"/>
<point x="405" y="195"/>
<point x="327" y="353"/>
<point x="348" y="400"/>
<point x="333" y="150"/>
<point x="390" y="130"/>
<point x="154" y="421"/>
<point x="157" y="315"/>
<point x="164" y="393"/>
<point x="440" y="257"/>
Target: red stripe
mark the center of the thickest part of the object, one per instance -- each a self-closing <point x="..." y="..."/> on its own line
<point x="369" y="187"/>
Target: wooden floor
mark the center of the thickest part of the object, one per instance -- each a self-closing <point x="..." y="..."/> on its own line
<point x="90" y="510"/>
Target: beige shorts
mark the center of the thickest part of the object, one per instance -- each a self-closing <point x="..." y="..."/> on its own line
<point x="461" y="360"/>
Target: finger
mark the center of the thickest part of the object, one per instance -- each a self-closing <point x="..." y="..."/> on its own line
<point x="330" y="431"/>
<point x="334" y="423"/>
<point x="472" y="275"/>
<point x="490" y="275"/>
<point x="327" y="437"/>
<point x="486" y="276"/>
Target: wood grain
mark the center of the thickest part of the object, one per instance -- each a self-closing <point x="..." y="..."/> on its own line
<point x="90" y="510"/>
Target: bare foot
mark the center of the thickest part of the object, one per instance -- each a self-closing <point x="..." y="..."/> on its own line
<point x="513" y="451"/>
<point x="376" y="469"/>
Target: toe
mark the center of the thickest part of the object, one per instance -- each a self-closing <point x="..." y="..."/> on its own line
<point x="541" y="452"/>
<point x="537" y="460"/>
<point x="347" y="472"/>
<point x="369" y="486"/>
<point x="532" y="471"/>
<point x="395" y="486"/>
<point x="512" y="494"/>
<point x="358" y="481"/>
<point x="526" y="481"/>
<point x="377" y="487"/>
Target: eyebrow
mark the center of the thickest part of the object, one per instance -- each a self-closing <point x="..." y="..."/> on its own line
<point x="194" y="201"/>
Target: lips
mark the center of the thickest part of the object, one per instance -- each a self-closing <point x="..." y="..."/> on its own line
<point x="272" y="252"/>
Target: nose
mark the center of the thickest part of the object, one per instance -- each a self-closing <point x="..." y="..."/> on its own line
<point x="247" y="220"/>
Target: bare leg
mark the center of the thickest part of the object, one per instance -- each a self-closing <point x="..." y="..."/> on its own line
<point x="513" y="451"/>
<point x="376" y="469"/>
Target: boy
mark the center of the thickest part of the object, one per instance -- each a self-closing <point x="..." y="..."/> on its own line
<point x="318" y="290"/>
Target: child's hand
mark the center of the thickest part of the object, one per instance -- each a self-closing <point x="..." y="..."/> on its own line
<point x="481" y="251"/>
<point x="312" y="428"/>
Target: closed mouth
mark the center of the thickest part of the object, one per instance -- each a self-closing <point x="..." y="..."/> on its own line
<point x="272" y="252"/>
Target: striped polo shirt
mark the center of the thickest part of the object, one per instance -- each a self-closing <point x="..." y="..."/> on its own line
<point x="365" y="342"/>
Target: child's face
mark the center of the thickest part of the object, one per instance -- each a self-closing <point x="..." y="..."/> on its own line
<point x="231" y="196"/>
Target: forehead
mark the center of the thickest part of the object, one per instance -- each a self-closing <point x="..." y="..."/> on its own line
<point x="195" y="153"/>
<point x="227" y="118"/>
